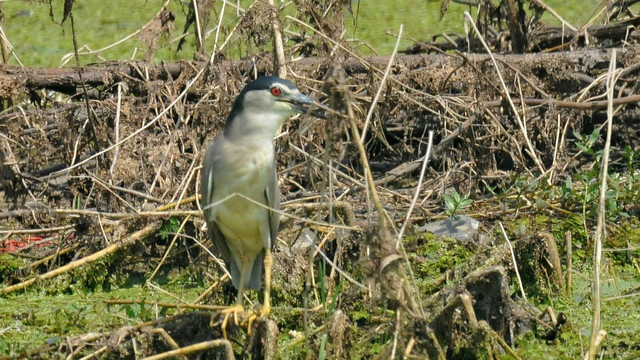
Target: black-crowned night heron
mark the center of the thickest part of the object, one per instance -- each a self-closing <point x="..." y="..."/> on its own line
<point x="239" y="183"/>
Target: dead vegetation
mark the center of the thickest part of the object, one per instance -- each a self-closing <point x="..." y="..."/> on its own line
<point x="96" y="161"/>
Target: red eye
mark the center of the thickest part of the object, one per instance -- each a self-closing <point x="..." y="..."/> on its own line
<point x="275" y="91"/>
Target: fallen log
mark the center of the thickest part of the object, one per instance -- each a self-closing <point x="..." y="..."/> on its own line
<point x="553" y="66"/>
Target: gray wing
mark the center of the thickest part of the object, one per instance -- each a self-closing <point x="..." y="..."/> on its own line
<point x="272" y="196"/>
<point x="272" y="193"/>
<point x="207" y="188"/>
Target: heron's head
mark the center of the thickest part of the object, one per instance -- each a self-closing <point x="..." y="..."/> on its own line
<point x="266" y="103"/>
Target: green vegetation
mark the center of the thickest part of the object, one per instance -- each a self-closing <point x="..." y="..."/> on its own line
<point x="40" y="42"/>
<point x="35" y="317"/>
<point x="455" y="203"/>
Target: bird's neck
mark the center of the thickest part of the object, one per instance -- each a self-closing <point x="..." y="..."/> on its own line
<point x="257" y="126"/>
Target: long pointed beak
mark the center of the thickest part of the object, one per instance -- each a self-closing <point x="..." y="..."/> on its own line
<point x="304" y="104"/>
<point x="300" y="102"/>
<point x="320" y="110"/>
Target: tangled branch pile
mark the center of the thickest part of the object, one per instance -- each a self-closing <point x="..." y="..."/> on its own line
<point x="90" y="156"/>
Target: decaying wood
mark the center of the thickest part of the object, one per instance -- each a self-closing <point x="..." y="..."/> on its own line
<point x="66" y="80"/>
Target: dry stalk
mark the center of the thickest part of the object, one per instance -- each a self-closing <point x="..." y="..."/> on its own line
<point x="364" y="161"/>
<point x="555" y="14"/>
<point x="199" y="39"/>
<point x="215" y="41"/>
<point x="166" y="253"/>
<point x="515" y="264"/>
<point x="434" y="339"/>
<point x="167" y="338"/>
<point x="205" y="345"/>
<point x="135" y="193"/>
<point x="116" y="130"/>
<point x="37" y="231"/>
<point x="382" y="83"/>
<point x="124" y="215"/>
<point x="7" y="47"/>
<point x="600" y="228"/>
<point x="184" y="184"/>
<point x="281" y="63"/>
<point x="217" y="283"/>
<point x="52" y="256"/>
<point x="167" y="305"/>
<point x="417" y="192"/>
<point x="396" y="333"/>
<point x="569" y="248"/>
<point x="403" y="292"/>
<point x="521" y="124"/>
<point x="66" y="58"/>
<point x="94" y="355"/>
<point x="177" y="204"/>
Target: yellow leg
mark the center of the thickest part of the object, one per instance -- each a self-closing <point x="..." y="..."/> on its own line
<point x="268" y="262"/>
<point x="266" y="305"/>
<point x="243" y="279"/>
<point x="237" y="308"/>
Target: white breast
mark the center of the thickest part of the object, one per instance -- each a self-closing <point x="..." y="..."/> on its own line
<point x="245" y="171"/>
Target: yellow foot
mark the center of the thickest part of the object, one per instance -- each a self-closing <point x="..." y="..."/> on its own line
<point x="233" y="310"/>
<point x="252" y="317"/>
<point x="266" y="309"/>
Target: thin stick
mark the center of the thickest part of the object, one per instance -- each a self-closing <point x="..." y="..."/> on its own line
<point x="340" y="271"/>
<point x="600" y="229"/>
<point x="116" y="130"/>
<point x="601" y="335"/>
<point x="95" y="354"/>
<point x="281" y="65"/>
<point x="166" y="304"/>
<point x="569" y="246"/>
<point x="166" y="253"/>
<point x="417" y="192"/>
<point x="515" y="264"/>
<point x="215" y="41"/>
<point x="522" y="126"/>
<point x="196" y="348"/>
<point x="66" y="58"/>
<point x="554" y="13"/>
<point x="382" y="82"/>
<point x="366" y="169"/>
<point x="200" y="42"/>
<point x="186" y="181"/>
<point x="555" y="153"/>
<point x="396" y="332"/>
<point x="61" y="252"/>
<point x="37" y="231"/>
<point x="6" y="44"/>
<point x="200" y="297"/>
